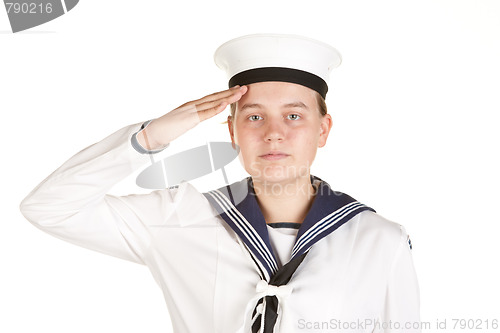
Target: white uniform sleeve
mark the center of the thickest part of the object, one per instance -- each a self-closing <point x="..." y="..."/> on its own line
<point x="137" y="146"/>
<point x="72" y="203"/>
<point x="402" y="307"/>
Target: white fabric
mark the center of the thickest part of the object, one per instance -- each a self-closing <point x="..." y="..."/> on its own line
<point x="277" y="50"/>
<point x="362" y="271"/>
<point x="282" y="240"/>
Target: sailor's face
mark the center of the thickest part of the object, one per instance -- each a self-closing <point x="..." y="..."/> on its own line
<point x="278" y="128"/>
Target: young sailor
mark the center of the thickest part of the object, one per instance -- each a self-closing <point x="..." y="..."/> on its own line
<point x="279" y="251"/>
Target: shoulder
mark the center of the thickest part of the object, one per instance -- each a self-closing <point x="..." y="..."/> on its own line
<point x="187" y="206"/>
<point x="376" y="228"/>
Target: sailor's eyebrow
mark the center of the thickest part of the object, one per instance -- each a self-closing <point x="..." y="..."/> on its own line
<point x="296" y="104"/>
<point x="250" y="106"/>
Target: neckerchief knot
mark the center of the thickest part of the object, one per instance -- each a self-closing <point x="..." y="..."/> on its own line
<point x="265" y="289"/>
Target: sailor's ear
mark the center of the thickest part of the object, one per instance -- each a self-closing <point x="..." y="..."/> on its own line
<point x="231" y="131"/>
<point x="325" y="127"/>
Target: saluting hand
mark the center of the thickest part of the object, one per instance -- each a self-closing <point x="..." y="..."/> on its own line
<point x="173" y="124"/>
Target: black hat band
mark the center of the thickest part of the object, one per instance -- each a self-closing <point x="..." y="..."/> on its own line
<point x="280" y="74"/>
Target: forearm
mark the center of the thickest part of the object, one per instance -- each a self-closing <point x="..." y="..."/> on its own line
<point x="85" y="177"/>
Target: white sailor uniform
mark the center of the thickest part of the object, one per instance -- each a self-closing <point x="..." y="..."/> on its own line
<point x="355" y="277"/>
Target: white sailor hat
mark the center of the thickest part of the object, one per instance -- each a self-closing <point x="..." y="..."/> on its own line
<point x="276" y="57"/>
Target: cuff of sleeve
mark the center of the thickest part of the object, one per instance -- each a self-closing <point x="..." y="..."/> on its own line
<point x="140" y="148"/>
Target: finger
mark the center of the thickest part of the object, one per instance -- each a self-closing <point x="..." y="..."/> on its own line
<point x="217" y="95"/>
<point x="234" y="97"/>
<point x="213" y="107"/>
<point x="209" y="113"/>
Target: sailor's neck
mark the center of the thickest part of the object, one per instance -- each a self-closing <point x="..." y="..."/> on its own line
<point x="286" y="201"/>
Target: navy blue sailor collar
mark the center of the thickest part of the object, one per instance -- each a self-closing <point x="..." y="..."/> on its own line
<point x="238" y="206"/>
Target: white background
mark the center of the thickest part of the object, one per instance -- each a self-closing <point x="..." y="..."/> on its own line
<point x="415" y="105"/>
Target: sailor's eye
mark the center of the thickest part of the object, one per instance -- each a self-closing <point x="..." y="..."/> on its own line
<point x="293" y="116"/>
<point x="254" y="117"/>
